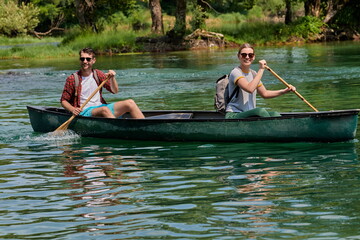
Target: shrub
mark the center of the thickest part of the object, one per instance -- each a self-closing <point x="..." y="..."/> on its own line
<point x="305" y="27"/>
<point x="198" y="18"/>
<point x="15" y="20"/>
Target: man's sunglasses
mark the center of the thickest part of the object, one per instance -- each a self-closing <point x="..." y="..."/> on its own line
<point x="83" y="59"/>
<point x="251" y="55"/>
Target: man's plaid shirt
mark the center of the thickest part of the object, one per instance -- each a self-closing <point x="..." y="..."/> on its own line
<point x="69" y="89"/>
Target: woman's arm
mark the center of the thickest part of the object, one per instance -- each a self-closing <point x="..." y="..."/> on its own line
<point x="251" y="86"/>
<point x="263" y="92"/>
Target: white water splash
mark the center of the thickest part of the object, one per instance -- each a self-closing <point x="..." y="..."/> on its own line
<point x="58" y="137"/>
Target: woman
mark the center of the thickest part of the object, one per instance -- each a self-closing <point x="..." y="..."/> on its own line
<point x="243" y="104"/>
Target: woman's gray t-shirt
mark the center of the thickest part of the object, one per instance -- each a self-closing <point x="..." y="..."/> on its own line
<point x="244" y="101"/>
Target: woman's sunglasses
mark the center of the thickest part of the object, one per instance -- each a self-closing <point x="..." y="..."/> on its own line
<point x="83" y="59"/>
<point x="251" y="55"/>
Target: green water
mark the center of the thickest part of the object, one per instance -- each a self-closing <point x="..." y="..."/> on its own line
<point x="73" y="187"/>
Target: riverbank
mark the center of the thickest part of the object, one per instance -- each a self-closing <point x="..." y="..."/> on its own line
<point x="202" y="39"/>
<point x="110" y="43"/>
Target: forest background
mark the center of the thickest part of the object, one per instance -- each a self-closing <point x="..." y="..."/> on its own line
<point x="58" y="28"/>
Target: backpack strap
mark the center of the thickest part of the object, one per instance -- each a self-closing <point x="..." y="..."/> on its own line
<point x="76" y="77"/>
<point x="236" y="91"/>
<point x="96" y="77"/>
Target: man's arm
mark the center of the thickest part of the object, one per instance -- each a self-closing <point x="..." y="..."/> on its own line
<point x="113" y="83"/>
<point x="75" y="111"/>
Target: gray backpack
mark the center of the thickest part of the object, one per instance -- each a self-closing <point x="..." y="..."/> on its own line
<point x="221" y="98"/>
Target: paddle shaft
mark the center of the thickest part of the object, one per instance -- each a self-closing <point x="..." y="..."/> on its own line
<point x="65" y="125"/>
<point x="288" y="85"/>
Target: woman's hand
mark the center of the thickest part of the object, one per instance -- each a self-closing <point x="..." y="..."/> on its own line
<point x="291" y="88"/>
<point x="262" y="64"/>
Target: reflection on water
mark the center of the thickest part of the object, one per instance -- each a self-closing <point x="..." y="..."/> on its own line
<point x="124" y="189"/>
<point x="68" y="187"/>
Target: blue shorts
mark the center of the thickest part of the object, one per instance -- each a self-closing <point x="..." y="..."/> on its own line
<point x="87" y="111"/>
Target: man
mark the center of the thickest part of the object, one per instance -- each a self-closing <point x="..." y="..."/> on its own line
<point x="74" y="96"/>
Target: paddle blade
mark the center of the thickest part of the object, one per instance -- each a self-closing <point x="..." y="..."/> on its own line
<point x="65" y="125"/>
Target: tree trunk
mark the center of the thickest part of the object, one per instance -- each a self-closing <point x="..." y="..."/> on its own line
<point x="312" y="8"/>
<point x="85" y="10"/>
<point x="180" y="15"/>
<point x="156" y="17"/>
<point x="289" y="13"/>
<point x="332" y="8"/>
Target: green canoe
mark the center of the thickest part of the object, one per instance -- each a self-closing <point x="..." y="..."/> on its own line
<point x="326" y="126"/>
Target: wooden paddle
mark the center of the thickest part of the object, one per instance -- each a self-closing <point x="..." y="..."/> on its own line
<point x="288" y="85"/>
<point x="66" y="124"/>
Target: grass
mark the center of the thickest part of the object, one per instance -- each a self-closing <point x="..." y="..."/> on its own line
<point x="253" y="32"/>
<point x="119" y="41"/>
<point x="116" y="41"/>
<point x="27" y="40"/>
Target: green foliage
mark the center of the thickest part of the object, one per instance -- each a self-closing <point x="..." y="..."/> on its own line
<point x="232" y="18"/>
<point x="305" y="27"/>
<point x="17" y="20"/>
<point x="255" y="14"/>
<point x="198" y="18"/>
<point x="241" y="28"/>
<point x="254" y="32"/>
<point x="228" y="6"/>
<point x="271" y="7"/>
<point x="51" y="10"/>
<point x="139" y="19"/>
<point x="43" y="51"/>
<point x="27" y="40"/>
<point x="348" y="15"/>
<point x="117" y="41"/>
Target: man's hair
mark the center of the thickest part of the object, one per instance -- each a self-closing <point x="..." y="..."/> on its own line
<point x="245" y="45"/>
<point x="87" y="50"/>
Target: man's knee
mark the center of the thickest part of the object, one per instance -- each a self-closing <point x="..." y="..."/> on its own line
<point x="129" y="104"/>
<point x="104" y="111"/>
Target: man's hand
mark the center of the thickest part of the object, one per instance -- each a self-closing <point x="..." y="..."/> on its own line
<point x="76" y="111"/>
<point x="111" y="74"/>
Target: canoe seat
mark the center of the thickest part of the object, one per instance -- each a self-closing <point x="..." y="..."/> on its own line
<point x="172" y="116"/>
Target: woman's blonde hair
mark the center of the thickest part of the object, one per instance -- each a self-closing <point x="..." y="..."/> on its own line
<point x="245" y="45"/>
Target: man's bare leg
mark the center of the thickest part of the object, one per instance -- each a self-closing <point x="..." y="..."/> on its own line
<point x="130" y="106"/>
<point x="102" y="112"/>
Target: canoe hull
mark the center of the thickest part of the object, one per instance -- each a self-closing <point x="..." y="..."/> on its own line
<point x="329" y="126"/>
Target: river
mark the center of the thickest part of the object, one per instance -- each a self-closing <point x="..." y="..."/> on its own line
<point x="74" y="187"/>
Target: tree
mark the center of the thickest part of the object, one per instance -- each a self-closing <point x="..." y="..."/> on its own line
<point x="156" y="17"/>
<point x="289" y="12"/>
<point x="312" y="8"/>
<point x="328" y="9"/>
<point x="17" y="20"/>
<point x="180" y="15"/>
<point x="179" y="29"/>
<point x="345" y="14"/>
<point x="85" y="10"/>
